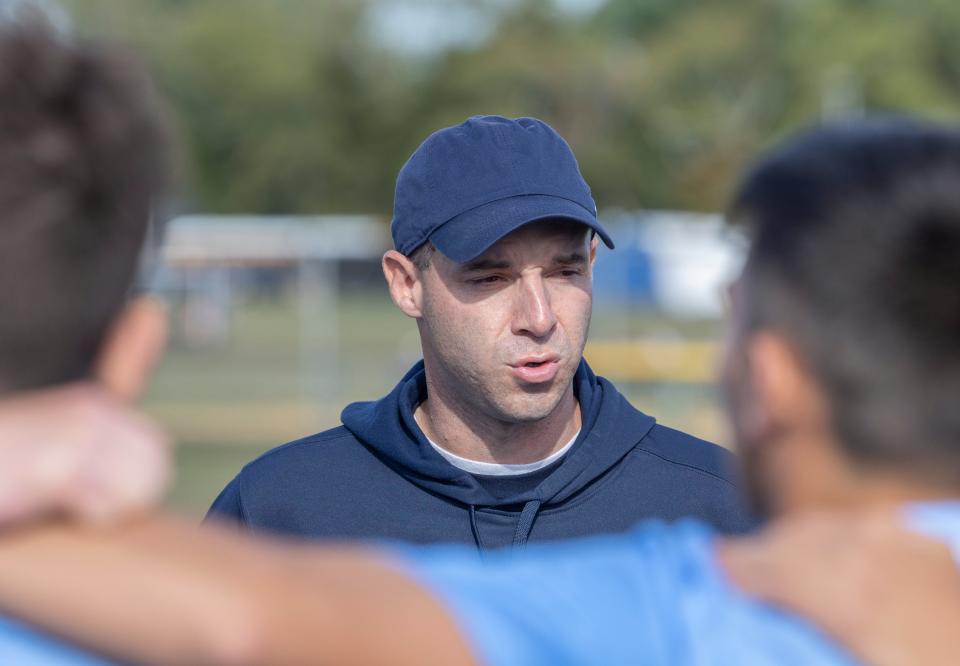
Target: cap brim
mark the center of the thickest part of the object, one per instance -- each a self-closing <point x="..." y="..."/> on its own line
<point x="470" y="234"/>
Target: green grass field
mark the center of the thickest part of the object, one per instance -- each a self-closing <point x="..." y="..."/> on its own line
<point x="279" y="376"/>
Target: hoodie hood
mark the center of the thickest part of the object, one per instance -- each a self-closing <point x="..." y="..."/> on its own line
<point x="611" y="428"/>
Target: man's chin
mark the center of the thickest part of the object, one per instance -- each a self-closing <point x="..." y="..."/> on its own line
<point x="531" y="406"/>
<point x="537" y="389"/>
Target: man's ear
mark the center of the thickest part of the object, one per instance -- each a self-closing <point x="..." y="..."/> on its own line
<point x="405" y="283"/>
<point x="593" y="251"/>
<point x="133" y="347"/>
<point x="784" y="395"/>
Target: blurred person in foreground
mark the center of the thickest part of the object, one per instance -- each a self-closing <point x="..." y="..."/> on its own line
<point x="862" y="212"/>
<point x="502" y="434"/>
<point x="82" y="157"/>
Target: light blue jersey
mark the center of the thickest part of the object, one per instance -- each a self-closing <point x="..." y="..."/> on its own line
<point x="653" y="596"/>
<point x="22" y="646"/>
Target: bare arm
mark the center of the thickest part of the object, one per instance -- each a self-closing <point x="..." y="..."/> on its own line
<point x="160" y="592"/>
<point x="889" y="594"/>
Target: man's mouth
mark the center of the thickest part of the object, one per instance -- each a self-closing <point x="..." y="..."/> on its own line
<point x="536" y="369"/>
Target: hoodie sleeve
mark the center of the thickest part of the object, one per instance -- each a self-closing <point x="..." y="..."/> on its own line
<point x="228" y="507"/>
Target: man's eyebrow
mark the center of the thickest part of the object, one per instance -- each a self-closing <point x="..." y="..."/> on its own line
<point x="571" y="258"/>
<point x="485" y="265"/>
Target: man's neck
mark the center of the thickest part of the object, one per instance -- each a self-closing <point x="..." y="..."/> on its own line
<point x="466" y="432"/>
<point x="872" y="493"/>
<point x="820" y="479"/>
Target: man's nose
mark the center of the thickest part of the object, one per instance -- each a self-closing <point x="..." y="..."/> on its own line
<point x="534" y="315"/>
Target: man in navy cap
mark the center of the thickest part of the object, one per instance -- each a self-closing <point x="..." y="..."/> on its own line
<point x="502" y="434"/>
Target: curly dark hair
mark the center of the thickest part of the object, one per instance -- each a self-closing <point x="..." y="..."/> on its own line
<point x="83" y="160"/>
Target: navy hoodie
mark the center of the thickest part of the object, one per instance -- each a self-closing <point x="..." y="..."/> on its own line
<point x="377" y="477"/>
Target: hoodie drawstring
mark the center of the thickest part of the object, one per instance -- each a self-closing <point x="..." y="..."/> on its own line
<point x="477" y="539"/>
<point x="525" y="523"/>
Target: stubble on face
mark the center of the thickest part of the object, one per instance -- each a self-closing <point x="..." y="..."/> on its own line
<point x="527" y="298"/>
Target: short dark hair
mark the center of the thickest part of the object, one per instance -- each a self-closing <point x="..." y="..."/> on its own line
<point x="83" y="156"/>
<point x="423" y="255"/>
<point x="855" y="258"/>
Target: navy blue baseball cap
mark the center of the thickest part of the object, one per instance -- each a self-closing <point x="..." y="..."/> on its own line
<point x="468" y="186"/>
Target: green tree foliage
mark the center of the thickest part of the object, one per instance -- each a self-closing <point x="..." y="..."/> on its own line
<point x="291" y="105"/>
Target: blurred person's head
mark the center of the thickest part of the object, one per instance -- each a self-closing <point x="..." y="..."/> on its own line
<point x="843" y="361"/>
<point x="494" y="229"/>
<point x="82" y="160"/>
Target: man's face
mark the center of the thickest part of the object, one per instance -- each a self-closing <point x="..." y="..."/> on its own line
<point x="504" y="333"/>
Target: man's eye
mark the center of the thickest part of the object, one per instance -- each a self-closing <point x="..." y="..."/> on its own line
<point x="488" y="279"/>
<point x="570" y="272"/>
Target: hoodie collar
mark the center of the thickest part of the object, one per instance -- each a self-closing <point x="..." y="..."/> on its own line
<point x="610" y="429"/>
